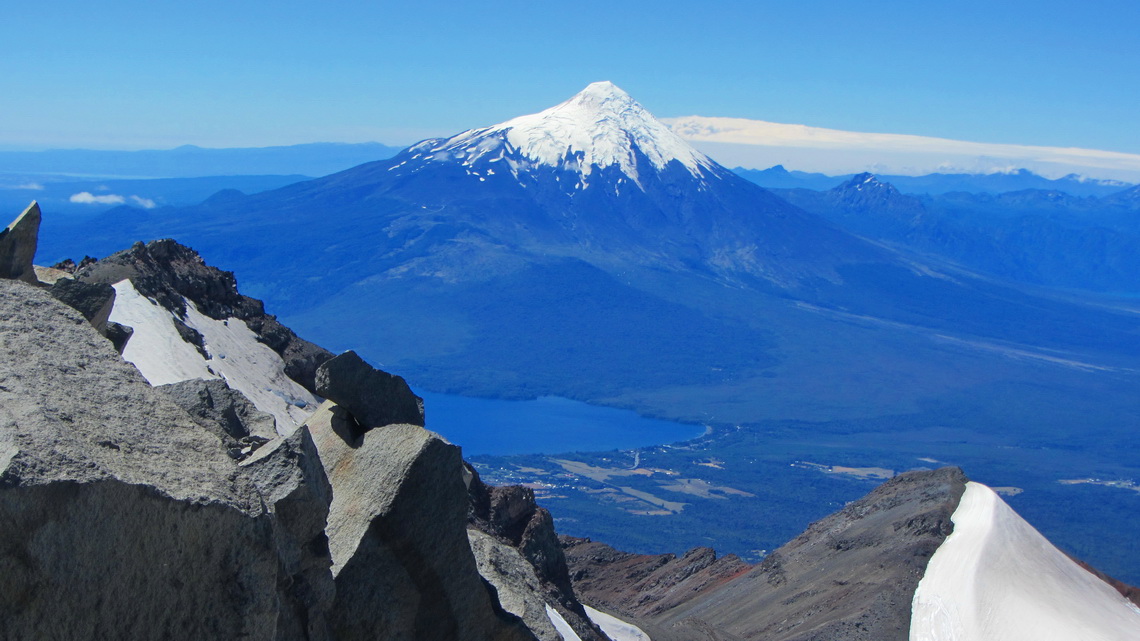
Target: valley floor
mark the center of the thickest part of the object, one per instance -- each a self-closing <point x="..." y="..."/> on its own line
<point x="748" y="489"/>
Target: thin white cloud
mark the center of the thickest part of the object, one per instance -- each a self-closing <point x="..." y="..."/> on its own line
<point x="87" y="198"/>
<point x="145" y="203"/>
<point x="761" y="144"/>
<point x="31" y="186"/>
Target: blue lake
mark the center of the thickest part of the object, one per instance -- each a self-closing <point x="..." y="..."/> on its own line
<point x="547" y="425"/>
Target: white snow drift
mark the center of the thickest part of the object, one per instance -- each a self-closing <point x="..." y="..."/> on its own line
<point x="235" y="355"/>
<point x="614" y="627"/>
<point x="995" y="578"/>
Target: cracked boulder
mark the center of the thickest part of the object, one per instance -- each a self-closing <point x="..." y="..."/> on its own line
<point x="518" y="588"/>
<point x="397" y="532"/>
<point x="288" y="474"/>
<point x="224" y="411"/>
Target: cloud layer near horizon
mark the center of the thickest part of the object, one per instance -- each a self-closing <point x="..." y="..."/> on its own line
<point x="757" y="144"/>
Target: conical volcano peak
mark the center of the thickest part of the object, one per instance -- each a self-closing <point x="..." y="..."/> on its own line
<point x="603" y="87"/>
<point x="604" y="98"/>
<point x="598" y="127"/>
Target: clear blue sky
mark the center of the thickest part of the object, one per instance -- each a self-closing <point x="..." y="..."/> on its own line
<point x="157" y="74"/>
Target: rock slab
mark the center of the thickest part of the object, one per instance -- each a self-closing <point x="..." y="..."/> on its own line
<point x="18" y="245"/>
<point x="374" y="398"/>
<point x="93" y="300"/>
<point x="518" y="588"/>
<point x="288" y="474"/>
<point x="225" y="412"/>
<point x="510" y="516"/>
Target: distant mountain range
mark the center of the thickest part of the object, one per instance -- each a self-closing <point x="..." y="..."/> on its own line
<point x="82" y="181"/>
<point x="1043" y="237"/>
<point x="188" y="161"/>
<point x="778" y="177"/>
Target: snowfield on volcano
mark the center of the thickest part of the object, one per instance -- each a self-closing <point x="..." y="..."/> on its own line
<point x="598" y="127"/>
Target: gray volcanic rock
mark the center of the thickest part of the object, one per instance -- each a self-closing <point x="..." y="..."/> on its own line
<point x="18" y="245"/>
<point x="97" y="559"/>
<point x="374" y="398"/>
<point x="93" y="300"/>
<point x="289" y="476"/>
<point x="224" y="411"/>
<point x="49" y="275"/>
<point x="168" y="272"/>
<point x="397" y="532"/>
<point x="120" y="517"/>
<point x="90" y="491"/>
<point x="518" y="588"/>
<point x="848" y="577"/>
<point x="510" y="515"/>
<point x="643" y="585"/>
<point x="119" y="335"/>
<point x="92" y="412"/>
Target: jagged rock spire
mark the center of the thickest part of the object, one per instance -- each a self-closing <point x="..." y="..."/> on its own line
<point x="18" y="245"/>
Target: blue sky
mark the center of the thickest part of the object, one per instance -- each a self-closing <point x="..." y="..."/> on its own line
<point x="159" y="74"/>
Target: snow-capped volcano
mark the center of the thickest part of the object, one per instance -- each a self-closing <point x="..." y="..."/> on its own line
<point x="596" y="178"/>
<point x="601" y="126"/>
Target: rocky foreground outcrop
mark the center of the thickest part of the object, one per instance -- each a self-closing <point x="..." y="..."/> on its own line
<point x="124" y="516"/>
<point x="18" y="242"/>
<point x="397" y="533"/>
<point x="120" y="517"/>
<point x="130" y="511"/>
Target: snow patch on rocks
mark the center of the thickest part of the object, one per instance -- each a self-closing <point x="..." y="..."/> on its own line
<point x="614" y="627"/>
<point x="561" y="625"/>
<point x="155" y="348"/>
<point x="247" y="365"/>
